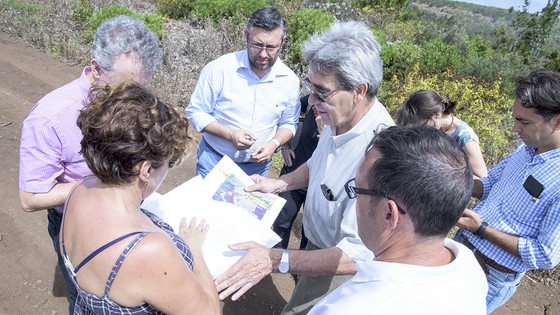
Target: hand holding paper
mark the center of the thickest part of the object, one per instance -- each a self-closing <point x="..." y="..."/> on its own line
<point x="192" y="233"/>
<point x="267" y="185"/>
<point x="233" y="215"/>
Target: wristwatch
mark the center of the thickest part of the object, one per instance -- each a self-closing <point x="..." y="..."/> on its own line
<point x="480" y="231"/>
<point x="276" y="143"/>
<point x="284" y="264"/>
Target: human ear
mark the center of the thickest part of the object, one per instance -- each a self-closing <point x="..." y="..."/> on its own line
<point x="556" y="122"/>
<point x="392" y="214"/>
<point x="95" y="70"/>
<point x="360" y="92"/>
<point x="145" y="170"/>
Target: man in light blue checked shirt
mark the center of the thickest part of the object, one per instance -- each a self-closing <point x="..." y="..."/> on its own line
<point x="516" y="226"/>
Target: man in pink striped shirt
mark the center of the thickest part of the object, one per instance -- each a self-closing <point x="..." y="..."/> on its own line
<point x="50" y="159"/>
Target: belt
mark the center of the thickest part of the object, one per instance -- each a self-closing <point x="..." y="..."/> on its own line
<point x="484" y="261"/>
<point x="221" y="155"/>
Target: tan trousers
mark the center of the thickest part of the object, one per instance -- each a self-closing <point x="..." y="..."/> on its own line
<point x="309" y="290"/>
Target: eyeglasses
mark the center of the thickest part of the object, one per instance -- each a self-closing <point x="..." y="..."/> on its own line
<point x="269" y="49"/>
<point x="327" y="192"/>
<point x="353" y="191"/>
<point x="320" y="96"/>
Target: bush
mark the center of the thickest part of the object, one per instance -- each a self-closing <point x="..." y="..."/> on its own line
<point x="301" y="25"/>
<point x="438" y="56"/>
<point x="484" y="106"/>
<point x="82" y="11"/>
<point x="174" y="9"/>
<point x="399" y="57"/>
<point x="153" y="22"/>
<point x="216" y="10"/>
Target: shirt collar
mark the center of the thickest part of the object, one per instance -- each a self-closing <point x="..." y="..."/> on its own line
<point x="360" y="127"/>
<point x="542" y="157"/>
<point x="84" y="83"/>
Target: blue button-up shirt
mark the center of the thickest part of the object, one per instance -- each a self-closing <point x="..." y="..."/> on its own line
<point x="508" y="207"/>
<point x="229" y="92"/>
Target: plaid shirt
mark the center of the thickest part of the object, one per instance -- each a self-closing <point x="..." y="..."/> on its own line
<point x="508" y="207"/>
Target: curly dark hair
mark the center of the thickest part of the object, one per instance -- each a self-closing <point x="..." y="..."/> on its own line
<point x="422" y="105"/>
<point x="125" y="124"/>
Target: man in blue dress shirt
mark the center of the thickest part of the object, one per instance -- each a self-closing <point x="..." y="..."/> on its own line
<point x="516" y="226"/>
<point x="246" y="103"/>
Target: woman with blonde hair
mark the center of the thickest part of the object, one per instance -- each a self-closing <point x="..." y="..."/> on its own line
<point x="123" y="259"/>
<point x="425" y="107"/>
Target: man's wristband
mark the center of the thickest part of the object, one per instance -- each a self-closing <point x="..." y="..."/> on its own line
<point x="276" y="143"/>
<point x="480" y="231"/>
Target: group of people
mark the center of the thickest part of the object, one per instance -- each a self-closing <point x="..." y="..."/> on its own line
<point x="379" y="199"/>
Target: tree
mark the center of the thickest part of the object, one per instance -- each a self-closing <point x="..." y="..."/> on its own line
<point x="533" y="30"/>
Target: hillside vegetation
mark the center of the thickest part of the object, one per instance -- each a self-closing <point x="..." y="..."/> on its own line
<point x="472" y="54"/>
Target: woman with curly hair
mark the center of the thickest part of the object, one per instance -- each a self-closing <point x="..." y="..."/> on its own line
<point x="123" y="259"/>
<point x="425" y="107"/>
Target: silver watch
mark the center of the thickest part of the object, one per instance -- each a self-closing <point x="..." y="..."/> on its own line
<point x="284" y="264"/>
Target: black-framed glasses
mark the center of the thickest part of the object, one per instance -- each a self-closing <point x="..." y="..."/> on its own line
<point x="353" y="191"/>
<point x="320" y="96"/>
<point x="327" y="192"/>
<point x="269" y="49"/>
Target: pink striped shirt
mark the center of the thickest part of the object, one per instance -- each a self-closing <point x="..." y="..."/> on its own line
<point x="50" y="139"/>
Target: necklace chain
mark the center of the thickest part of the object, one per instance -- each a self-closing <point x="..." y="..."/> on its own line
<point x="451" y="124"/>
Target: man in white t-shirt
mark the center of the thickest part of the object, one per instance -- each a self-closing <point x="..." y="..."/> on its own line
<point x="410" y="189"/>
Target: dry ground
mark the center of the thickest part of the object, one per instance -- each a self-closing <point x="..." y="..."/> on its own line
<point x="29" y="283"/>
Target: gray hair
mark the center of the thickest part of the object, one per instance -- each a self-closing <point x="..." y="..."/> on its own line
<point x="425" y="171"/>
<point x="268" y="19"/>
<point x="124" y="35"/>
<point x="349" y="51"/>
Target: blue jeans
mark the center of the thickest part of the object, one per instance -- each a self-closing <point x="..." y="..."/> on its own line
<point x="55" y="221"/>
<point x="206" y="159"/>
<point x="501" y="285"/>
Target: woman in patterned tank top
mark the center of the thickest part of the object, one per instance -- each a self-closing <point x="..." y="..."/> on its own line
<point x="125" y="260"/>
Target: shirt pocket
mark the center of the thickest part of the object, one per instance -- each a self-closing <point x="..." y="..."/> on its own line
<point x="526" y="211"/>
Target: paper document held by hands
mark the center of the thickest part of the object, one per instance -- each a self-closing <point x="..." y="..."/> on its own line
<point x="234" y="216"/>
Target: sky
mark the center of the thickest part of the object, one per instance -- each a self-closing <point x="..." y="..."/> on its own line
<point x="535" y="6"/>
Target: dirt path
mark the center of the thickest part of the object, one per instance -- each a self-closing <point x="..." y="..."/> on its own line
<point x="28" y="282"/>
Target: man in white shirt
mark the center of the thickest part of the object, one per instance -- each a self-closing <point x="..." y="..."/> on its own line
<point x="410" y="189"/>
<point x="247" y="103"/>
<point x="345" y="71"/>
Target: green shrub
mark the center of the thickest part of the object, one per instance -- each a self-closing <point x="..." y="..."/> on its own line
<point x="484" y="106"/>
<point x="216" y="10"/>
<point x="34" y="12"/>
<point x="301" y="25"/>
<point x="399" y="57"/>
<point x="480" y="47"/>
<point x="174" y="9"/>
<point x="380" y="36"/>
<point x="438" y="56"/>
<point x="82" y="11"/>
<point x="395" y="5"/>
<point x="153" y="22"/>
